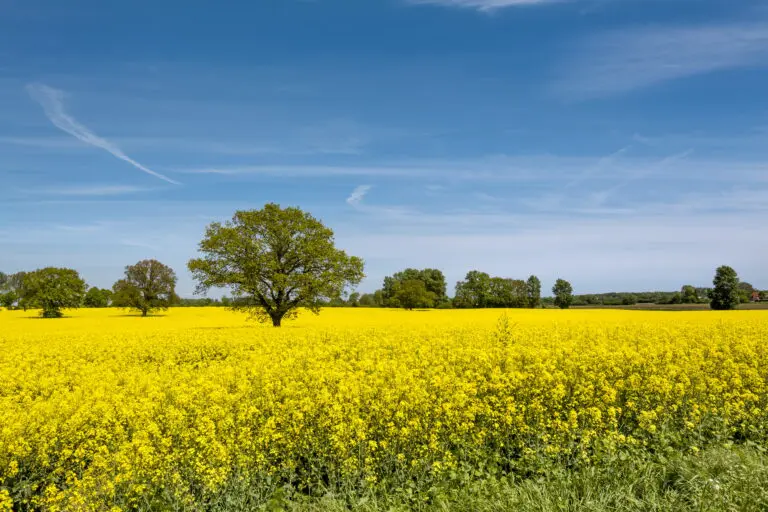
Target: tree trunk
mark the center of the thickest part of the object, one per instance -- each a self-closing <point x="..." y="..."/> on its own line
<point x="276" y="320"/>
<point x="144" y="312"/>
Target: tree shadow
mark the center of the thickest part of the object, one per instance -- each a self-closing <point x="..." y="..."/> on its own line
<point x="37" y="317"/>
<point x="136" y="315"/>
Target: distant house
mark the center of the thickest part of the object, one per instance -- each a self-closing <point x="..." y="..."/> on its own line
<point x="755" y="296"/>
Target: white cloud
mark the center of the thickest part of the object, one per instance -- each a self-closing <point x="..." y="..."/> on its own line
<point x="484" y="5"/>
<point x="630" y="59"/>
<point x="52" y="102"/>
<point x="357" y="195"/>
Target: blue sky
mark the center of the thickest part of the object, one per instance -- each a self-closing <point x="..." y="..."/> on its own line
<point x="620" y="144"/>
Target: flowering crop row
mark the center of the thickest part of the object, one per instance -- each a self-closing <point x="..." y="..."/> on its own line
<point x="103" y="410"/>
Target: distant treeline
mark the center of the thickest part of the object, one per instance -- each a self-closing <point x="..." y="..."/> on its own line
<point x="427" y="288"/>
<point x="275" y="260"/>
<point x="480" y="290"/>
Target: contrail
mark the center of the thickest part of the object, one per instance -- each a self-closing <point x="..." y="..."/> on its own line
<point x="53" y="106"/>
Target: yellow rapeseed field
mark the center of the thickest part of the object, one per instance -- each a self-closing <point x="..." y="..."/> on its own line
<point x="105" y="410"/>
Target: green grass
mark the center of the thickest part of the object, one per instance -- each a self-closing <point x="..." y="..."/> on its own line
<point x="719" y="479"/>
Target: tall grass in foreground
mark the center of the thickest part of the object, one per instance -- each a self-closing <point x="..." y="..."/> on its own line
<point x="720" y="479"/>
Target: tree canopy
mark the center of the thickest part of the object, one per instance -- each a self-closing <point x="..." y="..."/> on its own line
<point x="97" y="298"/>
<point x="147" y="286"/>
<point x="474" y="291"/>
<point x="433" y="279"/>
<point x="533" y="291"/>
<point x="563" y="292"/>
<point x="413" y="293"/>
<point x="54" y="289"/>
<point x="274" y="260"/>
<point x="726" y="293"/>
<point x="689" y="295"/>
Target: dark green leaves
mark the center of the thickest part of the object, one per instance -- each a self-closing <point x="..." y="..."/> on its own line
<point x="274" y="260"/>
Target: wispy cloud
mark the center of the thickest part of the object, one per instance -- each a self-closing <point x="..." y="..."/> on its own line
<point x="601" y="196"/>
<point x="485" y="5"/>
<point x="622" y="61"/>
<point x="568" y="172"/>
<point x="52" y="102"/>
<point x="604" y="163"/>
<point x="357" y="195"/>
<point x="89" y="190"/>
<point x="42" y="142"/>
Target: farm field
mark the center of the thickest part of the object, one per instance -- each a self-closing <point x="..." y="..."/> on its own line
<point x="201" y="409"/>
<point x="750" y="306"/>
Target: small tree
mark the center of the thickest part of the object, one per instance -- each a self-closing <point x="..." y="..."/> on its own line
<point x="8" y="299"/>
<point x="474" y="291"/>
<point x="725" y="294"/>
<point x="54" y="289"/>
<point x="97" y="298"/>
<point x="745" y="292"/>
<point x="147" y="286"/>
<point x="533" y="288"/>
<point x="689" y="295"/>
<point x="16" y="294"/>
<point x="434" y="281"/>
<point x="367" y="300"/>
<point x="353" y="300"/>
<point x="275" y="260"/>
<point x="629" y="299"/>
<point x="563" y="292"/>
<point x="413" y="293"/>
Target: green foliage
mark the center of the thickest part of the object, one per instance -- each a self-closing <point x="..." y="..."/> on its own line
<point x="620" y="298"/>
<point x="147" y="286"/>
<point x="413" y="293"/>
<point x="507" y="293"/>
<point x="721" y="478"/>
<point x="97" y="298"/>
<point x="53" y="289"/>
<point x="563" y="292"/>
<point x="367" y="300"/>
<point x="353" y="300"/>
<point x="274" y="260"/>
<point x="726" y="294"/>
<point x="13" y="292"/>
<point x="9" y="299"/>
<point x="745" y="292"/>
<point x="533" y="291"/>
<point x="629" y="300"/>
<point x="480" y="290"/>
<point x="433" y="279"/>
<point x="474" y="291"/>
<point x="689" y="295"/>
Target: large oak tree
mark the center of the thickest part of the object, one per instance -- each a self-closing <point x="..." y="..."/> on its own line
<point x="147" y="286"/>
<point x="274" y="260"/>
<point x="53" y="289"/>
